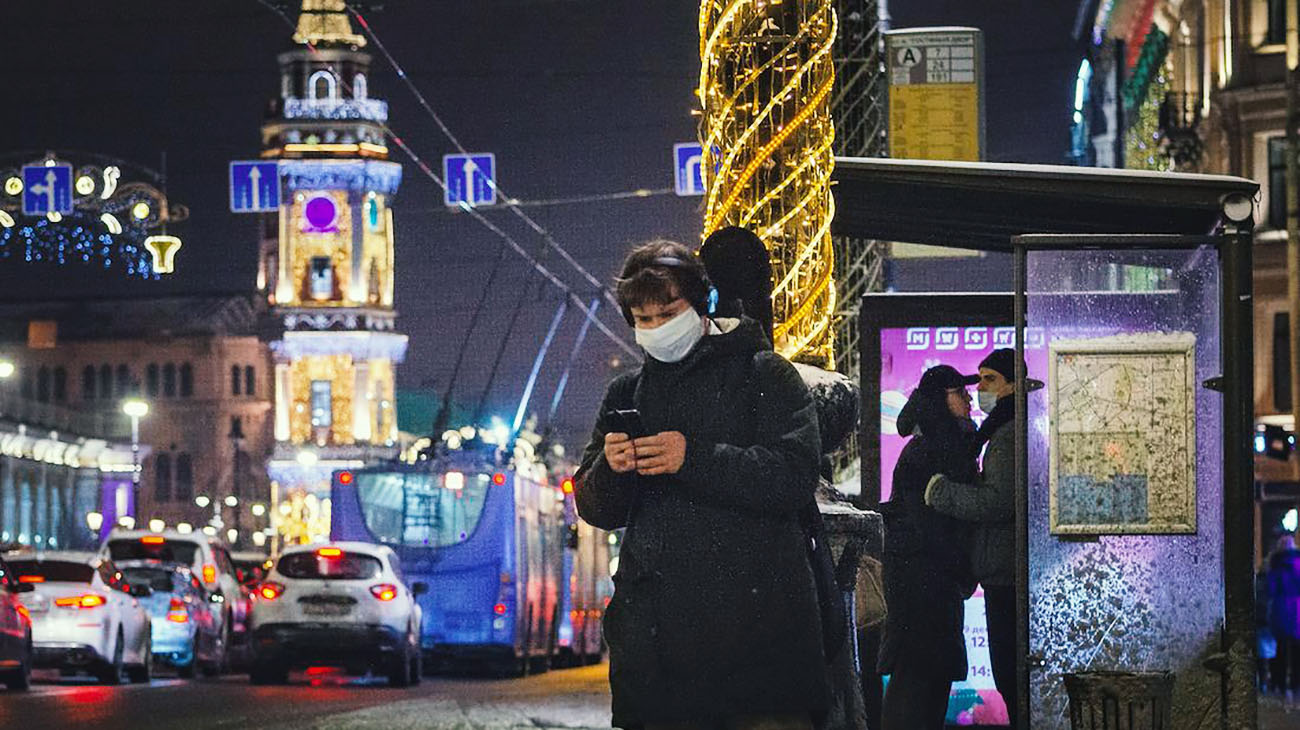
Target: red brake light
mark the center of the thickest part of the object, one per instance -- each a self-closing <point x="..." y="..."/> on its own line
<point x="270" y="590"/>
<point x="89" y="600"/>
<point x="153" y="539"/>
<point x="498" y="479"/>
<point x="31" y="579"/>
<point x="177" y="612"/>
<point x="209" y="573"/>
<point x="499" y="609"/>
<point x="330" y="552"/>
<point x="384" y="591"/>
<point x="345" y="477"/>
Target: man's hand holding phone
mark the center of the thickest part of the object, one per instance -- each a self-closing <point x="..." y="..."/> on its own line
<point x="619" y="452"/>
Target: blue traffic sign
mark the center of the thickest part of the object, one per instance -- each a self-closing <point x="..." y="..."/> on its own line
<point x="254" y="187"/>
<point x="471" y="179"/>
<point x="688" y="158"/>
<point x="47" y="189"/>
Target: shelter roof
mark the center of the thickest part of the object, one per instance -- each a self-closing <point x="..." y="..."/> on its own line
<point x="981" y="205"/>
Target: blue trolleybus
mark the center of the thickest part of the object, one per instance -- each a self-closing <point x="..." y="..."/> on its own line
<point x="516" y="581"/>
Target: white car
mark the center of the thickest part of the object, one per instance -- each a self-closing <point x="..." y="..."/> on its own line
<point x="341" y="604"/>
<point x="85" y="617"/>
<point x="206" y="557"/>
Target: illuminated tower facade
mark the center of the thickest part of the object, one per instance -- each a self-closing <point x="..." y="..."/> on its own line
<point x="327" y="270"/>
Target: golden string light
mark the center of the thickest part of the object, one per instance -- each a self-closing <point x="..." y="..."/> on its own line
<point x="766" y="75"/>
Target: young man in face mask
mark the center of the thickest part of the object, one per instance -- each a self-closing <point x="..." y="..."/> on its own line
<point x="990" y="504"/>
<point x="714" y="619"/>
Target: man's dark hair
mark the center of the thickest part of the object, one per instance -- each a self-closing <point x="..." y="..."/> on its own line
<point x="658" y="272"/>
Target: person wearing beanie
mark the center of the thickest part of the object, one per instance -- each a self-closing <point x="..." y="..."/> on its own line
<point x="926" y="561"/>
<point x="989" y="504"/>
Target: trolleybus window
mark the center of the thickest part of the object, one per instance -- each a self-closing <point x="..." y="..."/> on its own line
<point x="432" y="509"/>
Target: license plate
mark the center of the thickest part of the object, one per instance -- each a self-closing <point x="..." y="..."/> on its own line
<point x="325" y="609"/>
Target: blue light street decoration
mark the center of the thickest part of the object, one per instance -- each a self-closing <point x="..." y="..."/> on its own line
<point x="47" y="189"/>
<point x="94" y="212"/>
<point x="470" y="178"/>
<point x="254" y="187"/>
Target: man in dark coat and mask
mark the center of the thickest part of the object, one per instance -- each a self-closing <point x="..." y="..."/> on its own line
<point x="714" y="619"/>
<point x="989" y="505"/>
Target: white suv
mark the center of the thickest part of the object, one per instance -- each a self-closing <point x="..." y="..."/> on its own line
<point x="341" y="604"/>
<point x="85" y="617"/>
<point x="207" y="558"/>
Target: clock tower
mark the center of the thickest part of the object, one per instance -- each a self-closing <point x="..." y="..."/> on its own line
<point x="326" y="267"/>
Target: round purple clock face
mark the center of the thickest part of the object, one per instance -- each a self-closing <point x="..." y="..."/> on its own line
<point x="320" y="213"/>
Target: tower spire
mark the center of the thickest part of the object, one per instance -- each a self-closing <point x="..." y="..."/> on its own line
<point x="326" y="23"/>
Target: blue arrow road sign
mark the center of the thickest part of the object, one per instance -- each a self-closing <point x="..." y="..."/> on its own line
<point x="254" y="187"/>
<point x="47" y="189"/>
<point x="689" y="158"/>
<point x="471" y="179"/>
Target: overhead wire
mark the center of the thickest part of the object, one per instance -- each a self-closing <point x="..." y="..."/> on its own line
<point x="470" y="210"/>
<point x="451" y="137"/>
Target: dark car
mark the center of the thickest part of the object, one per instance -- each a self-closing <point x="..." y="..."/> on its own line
<point x="15" y="631"/>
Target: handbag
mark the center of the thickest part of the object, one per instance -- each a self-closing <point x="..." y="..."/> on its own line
<point x="830" y="599"/>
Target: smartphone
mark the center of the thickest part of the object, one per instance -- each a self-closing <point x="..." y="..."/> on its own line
<point x="628" y="421"/>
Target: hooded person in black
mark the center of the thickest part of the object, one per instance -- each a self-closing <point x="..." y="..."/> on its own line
<point x="926" y="559"/>
<point x="714" y="620"/>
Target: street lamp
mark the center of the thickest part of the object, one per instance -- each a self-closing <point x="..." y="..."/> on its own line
<point x="6" y="368"/>
<point x="136" y="409"/>
<point x="236" y="437"/>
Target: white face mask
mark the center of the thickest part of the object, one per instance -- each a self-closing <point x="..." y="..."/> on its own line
<point x="987" y="400"/>
<point x="670" y="341"/>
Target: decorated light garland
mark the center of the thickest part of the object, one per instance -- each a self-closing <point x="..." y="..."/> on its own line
<point x="765" y="82"/>
<point x="112" y="223"/>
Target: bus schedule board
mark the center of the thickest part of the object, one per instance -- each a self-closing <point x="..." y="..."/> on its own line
<point x="936" y="106"/>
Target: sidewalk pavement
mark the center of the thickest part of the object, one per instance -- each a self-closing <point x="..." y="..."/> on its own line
<point x="1276" y="714"/>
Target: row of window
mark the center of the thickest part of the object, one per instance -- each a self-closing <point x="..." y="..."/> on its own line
<point x="173" y="478"/>
<point x="107" y="383"/>
<point x="249" y="376"/>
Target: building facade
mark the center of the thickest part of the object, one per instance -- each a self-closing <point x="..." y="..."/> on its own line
<point x="327" y="270"/>
<point x="199" y="364"/>
<point x="1200" y="86"/>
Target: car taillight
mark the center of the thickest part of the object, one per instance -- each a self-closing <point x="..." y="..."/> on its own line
<point x="384" y="591"/>
<point x="153" y="539"/>
<point x="177" y="613"/>
<point x="330" y="553"/>
<point x="270" y="590"/>
<point x="31" y="579"/>
<point x="89" y="600"/>
<point x="209" y="573"/>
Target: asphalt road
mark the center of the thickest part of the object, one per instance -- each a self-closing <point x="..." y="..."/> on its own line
<point x="567" y="698"/>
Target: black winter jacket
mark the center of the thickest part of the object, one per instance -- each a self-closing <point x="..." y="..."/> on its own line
<point x="714" y="612"/>
<point x="926" y="562"/>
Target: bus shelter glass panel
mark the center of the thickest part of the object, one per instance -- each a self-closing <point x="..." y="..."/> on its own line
<point x="1125" y="464"/>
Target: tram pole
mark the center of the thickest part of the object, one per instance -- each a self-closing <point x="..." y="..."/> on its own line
<point x="1293" y="212"/>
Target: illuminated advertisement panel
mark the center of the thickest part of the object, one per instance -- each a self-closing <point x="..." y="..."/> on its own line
<point x="905" y="353"/>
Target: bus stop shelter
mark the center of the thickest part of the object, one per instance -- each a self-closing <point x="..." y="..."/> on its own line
<point x="1134" y="509"/>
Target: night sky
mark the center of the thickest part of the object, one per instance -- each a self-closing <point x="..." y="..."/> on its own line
<point x="575" y="97"/>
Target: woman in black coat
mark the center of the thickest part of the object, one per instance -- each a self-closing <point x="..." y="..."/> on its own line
<point x="926" y="558"/>
<point x="714" y="619"/>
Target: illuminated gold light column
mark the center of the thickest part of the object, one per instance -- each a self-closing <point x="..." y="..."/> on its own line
<point x="765" y="82"/>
